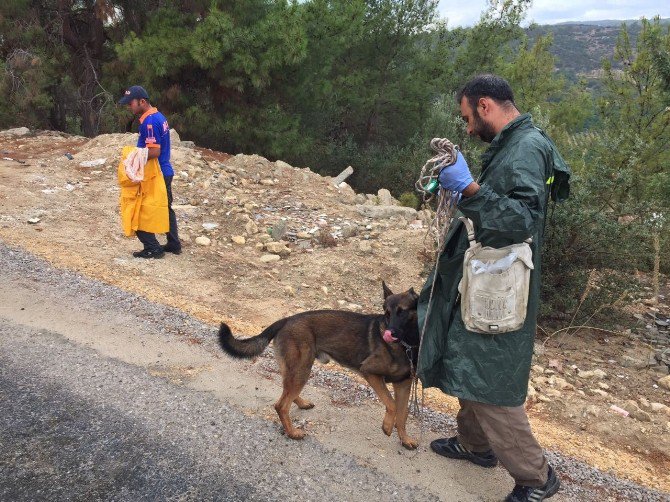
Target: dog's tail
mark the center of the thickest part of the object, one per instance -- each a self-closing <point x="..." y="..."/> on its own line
<point x="248" y="347"/>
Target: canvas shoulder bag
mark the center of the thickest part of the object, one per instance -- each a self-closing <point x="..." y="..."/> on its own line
<point x="495" y="285"/>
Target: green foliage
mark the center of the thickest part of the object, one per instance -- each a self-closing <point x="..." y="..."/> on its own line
<point x="409" y="199"/>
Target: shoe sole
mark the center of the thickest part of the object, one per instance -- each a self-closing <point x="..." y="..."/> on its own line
<point x="460" y="456"/>
<point x="553" y="489"/>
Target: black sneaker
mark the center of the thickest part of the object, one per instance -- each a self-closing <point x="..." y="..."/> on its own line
<point x="451" y="448"/>
<point x="168" y="248"/>
<point x="147" y="253"/>
<point x="529" y="494"/>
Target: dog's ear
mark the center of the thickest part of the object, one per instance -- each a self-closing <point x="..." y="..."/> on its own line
<point x="387" y="291"/>
<point x="413" y="293"/>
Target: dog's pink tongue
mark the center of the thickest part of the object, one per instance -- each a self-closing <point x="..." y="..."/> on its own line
<point x="388" y="337"/>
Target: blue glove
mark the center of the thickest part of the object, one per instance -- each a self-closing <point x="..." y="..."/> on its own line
<point x="456" y="177"/>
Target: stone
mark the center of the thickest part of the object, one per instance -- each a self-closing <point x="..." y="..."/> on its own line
<point x="324" y="289"/>
<point x="260" y="246"/>
<point x="270" y="258"/>
<point x="279" y="230"/>
<point x="385" y="212"/>
<point x="385" y="197"/>
<point x="17" y="131"/>
<point x="203" y="241"/>
<point x="537" y="368"/>
<point x="278" y="248"/>
<point x="643" y="403"/>
<point x="598" y="392"/>
<point x="174" y="137"/>
<point x="267" y="182"/>
<point x="239" y="240"/>
<point x="283" y="165"/>
<point x="343" y="176"/>
<point x="594" y="374"/>
<point x="552" y="392"/>
<point x="532" y="393"/>
<point x="264" y="238"/>
<point x="632" y="362"/>
<point x="640" y="415"/>
<point x="187" y="144"/>
<point x="538" y="349"/>
<point x="664" y="382"/>
<point x="251" y="228"/>
<point x="34" y="221"/>
<point x="603" y="386"/>
<point x="656" y="407"/>
<point x="592" y="410"/>
<point x="360" y="199"/>
<point x="289" y="291"/>
<point x="365" y="247"/>
<point x="304" y="235"/>
<point x="563" y="384"/>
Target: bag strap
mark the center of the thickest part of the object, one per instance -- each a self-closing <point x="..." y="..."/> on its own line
<point x="470" y="227"/>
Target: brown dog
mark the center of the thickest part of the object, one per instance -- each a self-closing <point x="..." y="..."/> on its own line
<point x="356" y="341"/>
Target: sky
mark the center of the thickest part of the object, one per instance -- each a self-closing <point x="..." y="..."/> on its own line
<point x="557" y="11"/>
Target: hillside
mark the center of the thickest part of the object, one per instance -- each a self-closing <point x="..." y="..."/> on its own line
<point x="581" y="47"/>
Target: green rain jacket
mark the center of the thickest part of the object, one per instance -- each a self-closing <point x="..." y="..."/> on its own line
<point x="521" y="169"/>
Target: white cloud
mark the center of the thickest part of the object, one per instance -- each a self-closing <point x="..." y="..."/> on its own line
<point x="553" y="11"/>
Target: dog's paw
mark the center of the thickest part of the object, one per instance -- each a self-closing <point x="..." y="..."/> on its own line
<point x="409" y="443"/>
<point x="296" y="434"/>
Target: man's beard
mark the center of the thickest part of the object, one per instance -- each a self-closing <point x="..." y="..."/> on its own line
<point x="483" y="129"/>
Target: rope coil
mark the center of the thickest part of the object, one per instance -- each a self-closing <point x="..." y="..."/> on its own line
<point x="428" y="185"/>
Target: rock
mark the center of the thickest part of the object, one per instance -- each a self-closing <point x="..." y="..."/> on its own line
<point x="594" y="374"/>
<point x="603" y="386"/>
<point x="384" y="212"/>
<point x="343" y="176"/>
<point x="265" y="238"/>
<point x="385" y="197"/>
<point x="239" y="240"/>
<point x="563" y="384"/>
<point x="93" y="163"/>
<point x="289" y="291"/>
<point x="538" y="349"/>
<point x="598" y="392"/>
<point x="643" y="403"/>
<point x="656" y="407"/>
<point x="270" y="258"/>
<point x="537" y="368"/>
<point x="365" y="247"/>
<point x="278" y="248"/>
<point x="532" y="393"/>
<point x="251" y="228"/>
<point x="632" y="362"/>
<point x="203" y="241"/>
<point x="260" y="246"/>
<point x="304" y="235"/>
<point x="279" y="230"/>
<point x="18" y="131"/>
<point x="591" y="410"/>
<point x="210" y="226"/>
<point x="174" y="138"/>
<point x="640" y="415"/>
<point x="664" y="382"/>
<point x="267" y="182"/>
<point x="187" y="144"/>
<point x="283" y="165"/>
<point x="360" y="199"/>
<point x="34" y="221"/>
<point x="553" y="392"/>
<point x="324" y="289"/>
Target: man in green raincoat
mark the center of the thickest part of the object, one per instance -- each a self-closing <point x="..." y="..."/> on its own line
<point x="521" y="171"/>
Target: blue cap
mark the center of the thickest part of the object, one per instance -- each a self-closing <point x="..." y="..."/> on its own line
<point x="134" y="92"/>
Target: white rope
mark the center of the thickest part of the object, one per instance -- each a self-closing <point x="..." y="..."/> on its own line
<point x="446" y="155"/>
